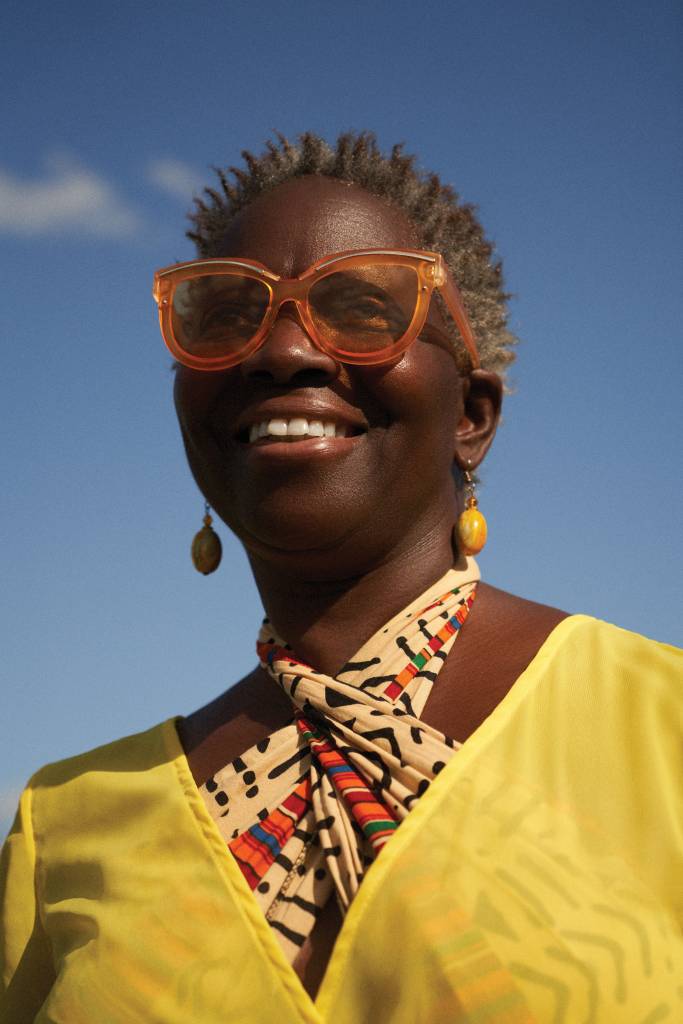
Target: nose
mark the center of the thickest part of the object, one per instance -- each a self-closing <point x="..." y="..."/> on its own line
<point x="288" y="355"/>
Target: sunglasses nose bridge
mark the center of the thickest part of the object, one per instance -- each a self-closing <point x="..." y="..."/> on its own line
<point x="291" y="290"/>
<point x="291" y="304"/>
<point x="289" y="349"/>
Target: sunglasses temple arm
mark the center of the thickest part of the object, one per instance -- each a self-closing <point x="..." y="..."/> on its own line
<point x="456" y="308"/>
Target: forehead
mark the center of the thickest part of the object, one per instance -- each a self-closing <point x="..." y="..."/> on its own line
<point x="302" y="220"/>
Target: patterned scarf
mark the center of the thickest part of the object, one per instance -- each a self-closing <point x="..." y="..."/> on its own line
<point x="306" y="810"/>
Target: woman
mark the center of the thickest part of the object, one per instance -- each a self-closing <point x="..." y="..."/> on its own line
<point x="246" y="862"/>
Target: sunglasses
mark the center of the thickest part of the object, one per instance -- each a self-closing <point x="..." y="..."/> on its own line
<point x="363" y="306"/>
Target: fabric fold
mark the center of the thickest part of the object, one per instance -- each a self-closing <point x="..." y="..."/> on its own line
<point x="307" y="810"/>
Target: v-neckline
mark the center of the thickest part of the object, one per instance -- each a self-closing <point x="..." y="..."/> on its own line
<point x="317" y="1011"/>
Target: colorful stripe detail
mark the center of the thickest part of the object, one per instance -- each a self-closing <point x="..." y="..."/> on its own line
<point x="269" y="653"/>
<point x="256" y="849"/>
<point x="399" y="683"/>
<point x="374" y="818"/>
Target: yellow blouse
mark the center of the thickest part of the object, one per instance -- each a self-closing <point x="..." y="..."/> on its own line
<point x="538" y="879"/>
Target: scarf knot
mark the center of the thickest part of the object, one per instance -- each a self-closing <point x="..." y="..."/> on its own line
<point x="307" y="810"/>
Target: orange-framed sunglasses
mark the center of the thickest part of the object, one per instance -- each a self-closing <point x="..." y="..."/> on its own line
<point x="362" y="306"/>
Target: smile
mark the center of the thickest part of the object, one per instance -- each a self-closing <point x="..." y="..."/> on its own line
<point x="294" y="430"/>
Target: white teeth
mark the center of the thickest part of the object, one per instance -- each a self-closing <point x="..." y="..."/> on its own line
<point x="297" y="427"/>
<point x="277" y="428"/>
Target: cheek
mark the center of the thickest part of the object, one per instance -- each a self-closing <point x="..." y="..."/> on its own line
<point x="195" y="395"/>
<point x="423" y="394"/>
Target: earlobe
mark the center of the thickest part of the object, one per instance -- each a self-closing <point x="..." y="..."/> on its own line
<point x="482" y="402"/>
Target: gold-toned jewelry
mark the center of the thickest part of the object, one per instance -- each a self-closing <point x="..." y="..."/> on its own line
<point x="471" y="529"/>
<point x="206" y="546"/>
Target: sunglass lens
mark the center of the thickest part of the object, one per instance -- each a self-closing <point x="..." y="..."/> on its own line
<point x="364" y="310"/>
<point x="218" y="314"/>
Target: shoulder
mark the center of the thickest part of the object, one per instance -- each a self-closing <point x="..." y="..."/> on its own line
<point x="600" y="648"/>
<point x="594" y="724"/>
<point x="91" y="783"/>
<point x="597" y="697"/>
<point x="507" y="629"/>
<point x="511" y="631"/>
<point x="138" y="751"/>
<point x="500" y="638"/>
<point x="243" y="715"/>
<point x="508" y="640"/>
<point x="607" y="663"/>
<point x="598" y="714"/>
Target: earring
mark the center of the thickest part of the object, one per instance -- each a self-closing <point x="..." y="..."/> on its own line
<point x="471" y="527"/>
<point x="206" y="546"/>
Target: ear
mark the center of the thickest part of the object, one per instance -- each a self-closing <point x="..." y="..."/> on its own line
<point x="482" y="402"/>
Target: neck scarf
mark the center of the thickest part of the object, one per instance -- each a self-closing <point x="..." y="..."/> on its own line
<point x="307" y="810"/>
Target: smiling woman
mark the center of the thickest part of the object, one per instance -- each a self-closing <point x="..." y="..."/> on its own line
<point x="419" y="806"/>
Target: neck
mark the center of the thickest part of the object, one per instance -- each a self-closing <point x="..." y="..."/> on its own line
<point x="326" y="621"/>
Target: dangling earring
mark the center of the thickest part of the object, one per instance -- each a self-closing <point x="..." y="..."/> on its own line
<point x="206" y="546"/>
<point x="471" y="527"/>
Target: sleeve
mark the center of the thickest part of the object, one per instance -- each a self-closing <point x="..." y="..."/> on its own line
<point x="26" y="968"/>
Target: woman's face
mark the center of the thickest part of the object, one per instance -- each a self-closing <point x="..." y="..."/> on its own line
<point x="330" y="505"/>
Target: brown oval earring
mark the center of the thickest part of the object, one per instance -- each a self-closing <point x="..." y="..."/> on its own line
<point x="471" y="529"/>
<point x="206" y="546"/>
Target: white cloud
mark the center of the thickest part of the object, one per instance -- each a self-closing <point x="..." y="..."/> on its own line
<point x="175" y="177"/>
<point x="68" y="199"/>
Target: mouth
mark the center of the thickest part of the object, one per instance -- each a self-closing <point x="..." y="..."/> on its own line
<point x="295" y="430"/>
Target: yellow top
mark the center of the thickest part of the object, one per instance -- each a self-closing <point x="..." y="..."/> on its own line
<point x="538" y="879"/>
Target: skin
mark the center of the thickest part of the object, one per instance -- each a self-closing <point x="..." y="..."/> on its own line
<point x="342" y="535"/>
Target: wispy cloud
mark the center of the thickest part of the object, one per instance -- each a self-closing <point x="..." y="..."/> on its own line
<point x="175" y="177"/>
<point x="69" y="198"/>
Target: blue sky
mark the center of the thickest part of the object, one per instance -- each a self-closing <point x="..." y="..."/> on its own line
<point x="562" y="122"/>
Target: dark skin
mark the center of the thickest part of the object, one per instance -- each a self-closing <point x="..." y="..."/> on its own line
<point x="341" y="536"/>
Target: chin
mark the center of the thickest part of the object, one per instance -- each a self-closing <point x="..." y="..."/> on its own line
<point x="311" y="546"/>
<point x="305" y="531"/>
<point x="313" y="508"/>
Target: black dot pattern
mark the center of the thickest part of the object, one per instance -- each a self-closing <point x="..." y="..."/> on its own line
<point x="371" y="715"/>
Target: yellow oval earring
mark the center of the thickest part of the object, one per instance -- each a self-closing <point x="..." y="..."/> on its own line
<point x="206" y="546"/>
<point x="471" y="527"/>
